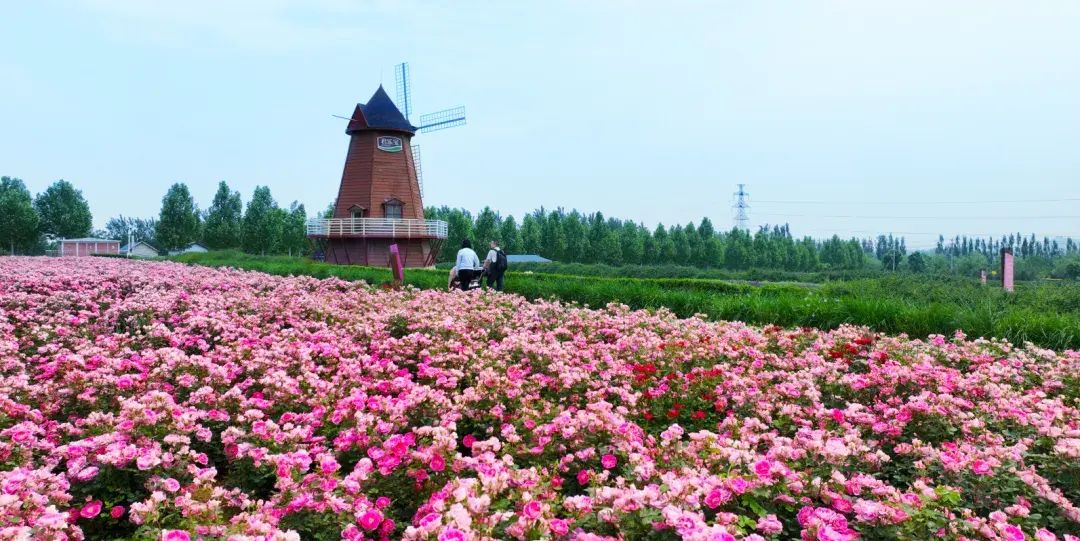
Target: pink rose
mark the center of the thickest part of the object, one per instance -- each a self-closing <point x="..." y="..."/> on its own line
<point x="328" y="465"/>
<point x="763" y="467"/>
<point x="370" y="519"/>
<point x="451" y="534"/>
<point x="717" y="497"/>
<point x="532" y="510"/>
<point x="738" y="485"/>
<point x="1013" y="533"/>
<point x="437" y="463"/>
<point x="1045" y="535"/>
<point x="468" y="440"/>
<point x="769" y="525"/>
<point x="382" y="502"/>
<point x="175" y="535"/>
<point x="117" y="511"/>
<point x="980" y="467"/>
<point x="609" y="461"/>
<point x="559" y="526"/>
<point x="583" y="477"/>
<point x="172" y="485"/>
<point x="90" y="510"/>
<point x="20" y="435"/>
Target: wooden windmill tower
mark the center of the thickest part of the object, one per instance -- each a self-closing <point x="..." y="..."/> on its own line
<point x="379" y="202"/>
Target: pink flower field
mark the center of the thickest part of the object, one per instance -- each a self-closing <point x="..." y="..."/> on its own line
<point x="161" y="401"/>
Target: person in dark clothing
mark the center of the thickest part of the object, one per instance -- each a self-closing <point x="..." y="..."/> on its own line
<point x="495" y="266"/>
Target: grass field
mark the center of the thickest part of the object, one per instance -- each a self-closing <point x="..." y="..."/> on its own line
<point x="1044" y="313"/>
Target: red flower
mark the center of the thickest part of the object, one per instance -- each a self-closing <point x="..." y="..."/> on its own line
<point x="673" y="413"/>
<point x="698" y="415"/>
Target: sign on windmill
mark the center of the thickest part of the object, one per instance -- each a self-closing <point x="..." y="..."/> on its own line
<point x="380" y="200"/>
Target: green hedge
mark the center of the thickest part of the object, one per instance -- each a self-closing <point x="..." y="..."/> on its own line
<point x="1047" y="314"/>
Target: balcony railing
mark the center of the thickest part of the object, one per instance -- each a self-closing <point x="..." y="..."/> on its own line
<point x="389" y="228"/>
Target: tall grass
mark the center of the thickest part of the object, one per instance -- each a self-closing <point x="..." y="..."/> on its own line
<point x="1046" y="314"/>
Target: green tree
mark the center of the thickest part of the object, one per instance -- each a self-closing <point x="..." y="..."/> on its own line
<point x="18" y="221"/>
<point x="577" y="240"/>
<point x="916" y="262"/>
<point x="122" y="228"/>
<point x="486" y="229"/>
<point x="294" y="239"/>
<point x="223" y="219"/>
<point x="531" y="236"/>
<point x="632" y="241"/>
<point x="178" y="224"/>
<point x="510" y="236"/>
<point x="460" y="227"/>
<point x="261" y="228"/>
<point x="554" y="237"/>
<point x="63" y="212"/>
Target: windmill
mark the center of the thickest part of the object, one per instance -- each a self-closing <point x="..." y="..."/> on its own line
<point x="439" y="120"/>
<point x="379" y="209"/>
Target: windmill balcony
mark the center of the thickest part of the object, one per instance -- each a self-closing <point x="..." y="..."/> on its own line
<point x="378" y="228"/>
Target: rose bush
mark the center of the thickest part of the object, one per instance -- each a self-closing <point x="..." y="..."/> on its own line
<point x="161" y="401"/>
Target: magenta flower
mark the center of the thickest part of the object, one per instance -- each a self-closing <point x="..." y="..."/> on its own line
<point x="531" y="510"/>
<point x="175" y="535"/>
<point x="370" y="519"/>
<point x="91" y="509"/>
<point x="558" y="526"/>
<point x="583" y="477"/>
<point x="609" y="461"/>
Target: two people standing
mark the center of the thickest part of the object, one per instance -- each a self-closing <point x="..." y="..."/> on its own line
<point x="467" y="266"/>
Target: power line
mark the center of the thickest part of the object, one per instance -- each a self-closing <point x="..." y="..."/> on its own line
<point x="878" y="217"/>
<point x="928" y="202"/>
<point x="742" y="218"/>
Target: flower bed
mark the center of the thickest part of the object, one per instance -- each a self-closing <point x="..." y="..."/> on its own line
<point x="156" y="400"/>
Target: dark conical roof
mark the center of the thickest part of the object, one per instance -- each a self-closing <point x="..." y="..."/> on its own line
<point x="379" y="113"/>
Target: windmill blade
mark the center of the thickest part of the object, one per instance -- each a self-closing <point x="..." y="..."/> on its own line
<point x="419" y="168"/>
<point x="404" y="88"/>
<point x="440" y="120"/>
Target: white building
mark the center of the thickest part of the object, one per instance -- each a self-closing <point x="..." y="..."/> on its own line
<point x="140" y="249"/>
<point x="190" y="248"/>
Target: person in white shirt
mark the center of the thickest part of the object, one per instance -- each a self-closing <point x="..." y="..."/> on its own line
<point x="467" y="264"/>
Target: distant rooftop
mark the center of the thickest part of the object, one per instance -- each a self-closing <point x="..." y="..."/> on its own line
<point x="88" y="239"/>
<point x="526" y="258"/>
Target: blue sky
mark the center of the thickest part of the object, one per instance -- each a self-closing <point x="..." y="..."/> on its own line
<point x="846" y="117"/>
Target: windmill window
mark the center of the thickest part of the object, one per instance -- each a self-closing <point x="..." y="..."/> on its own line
<point x="393" y="208"/>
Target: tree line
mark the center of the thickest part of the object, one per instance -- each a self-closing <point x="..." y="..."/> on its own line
<point x="576" y="237"/>
<point x="29" y="225"/>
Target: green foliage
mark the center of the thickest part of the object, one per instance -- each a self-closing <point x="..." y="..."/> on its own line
<point x="916" y="262"/>
<point x="223" y="219"/>
<point x="62" y="211"/>
<point x="141" y="229"/>
<point x="1045" y="313"/>
<point x="18" y="221"/>
<point x="262" y="224"/>
<point x="294" y="239"/>
<point x="178" y="223"/>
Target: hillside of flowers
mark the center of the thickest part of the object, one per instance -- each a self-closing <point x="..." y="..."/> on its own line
<point x="161" y="401"/>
